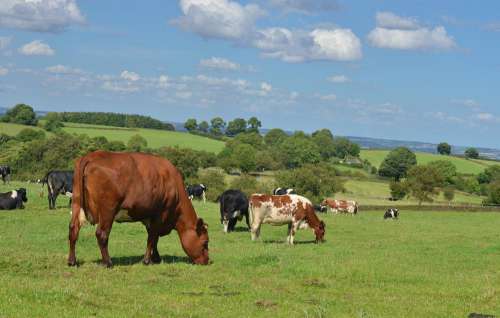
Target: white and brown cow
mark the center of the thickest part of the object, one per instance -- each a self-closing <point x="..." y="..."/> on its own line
<point x="294" y="210"/>
<point x="341" y="206"/>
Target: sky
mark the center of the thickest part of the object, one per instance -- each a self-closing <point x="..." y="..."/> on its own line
<point x="410" y="70"/>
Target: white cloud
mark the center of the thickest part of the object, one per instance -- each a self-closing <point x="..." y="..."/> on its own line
<point x="299" y="45"/>
<point x="62" y="69"/>
<point x="394" y="32"/>
<point x="266" y="87"/>
<point x="184" y="95"/>
<point x="391" y="21"/>
<point x="305" y="6"/>
<point x="471" y="103"/>
<point x="163" y="81"/>
<point x="493" y="26"/>
<point x="223" y="19"/>
<point x="4" y="42"/>
<point x="338" y="79"/>
<point x="36" y="47"/>
<point x="39" y="15"/>
<point x="228" y="20"/>
<point x="330" y="97"/>
<point x="130" y="76"/>
<point x="486" y="117"/>
<point x="220" y="63"/>
<point x="3" y="71"/>
<point x="119" y="87"/>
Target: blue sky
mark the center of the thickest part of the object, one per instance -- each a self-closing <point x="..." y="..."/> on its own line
<point x="419" y="70"/>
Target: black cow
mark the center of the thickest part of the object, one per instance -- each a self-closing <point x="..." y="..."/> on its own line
<point x="197" y="191"/>
<point x="320" y="208"/>
<point x="391" y="214"/>
<point x="233" y="206"/>
<point x="5" y="173"/>
<point x="13" y="199"/>
<point x="283" y="191"/>
<point x="58" y="182"/>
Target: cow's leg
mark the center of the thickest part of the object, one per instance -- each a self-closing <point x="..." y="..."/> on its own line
<point x="74" y="229"/>
<point x="293" y="231"/>
<point x="289" y="237"/>
<point x="255" y="230"/>
<point x="231" y="225"/>
<point x="49" y="197"/>
<point x="102" y="235"/>
<point x="152" y="255"/>
<point x="204" y="197"/>
<point x="8" y="179"/>
<point x="246" y="219"/>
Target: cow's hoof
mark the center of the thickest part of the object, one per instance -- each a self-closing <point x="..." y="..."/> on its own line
<point x="156" y="259"/>
<point x="146" y="261"/>
<point x="72" y="263"/>
<point x="106" y="264"/>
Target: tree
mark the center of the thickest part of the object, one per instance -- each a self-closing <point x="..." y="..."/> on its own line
<point x="236" y="126"/>
<point x="449" y="194"/>
<point x="217" y="126"/>
<point x="423" y="183"/>
<point x="53" y="122"/>
<point x="489" y="175"/>
<point x="447" y="169"/>
<point x="191" y="124"/>
<point x="493" y="193"/>
<point x="471" y="153"/>
<point x="254" y="125"/>
<point x="397" y="163"/>
<point x="399" y="190"/>
<point x="444" y="149"/>
<point x="344" y="148"/>
<point x="275" y="137"/>
<point x="324" y="140"/>
<point x="251" y="138"/>
<point x="21" y="114"/>
<point x="298" y="151"/>
<point x="244" y="156"/>
<point x="203" y="126"/>
<point x="313" y="181"/>
<point x="137" y="143"/>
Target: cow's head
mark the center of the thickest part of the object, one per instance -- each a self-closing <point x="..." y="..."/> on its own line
<point x="319" y="231"/>
<point x="195" y="243"/>
<point x="21" y="192"/>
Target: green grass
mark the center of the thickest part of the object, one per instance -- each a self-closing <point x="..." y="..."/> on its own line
<point x="14" y="129"/>
<point x="463" y="165"/>
<point x="427" y="264"/>
<point x="155" y="138"/>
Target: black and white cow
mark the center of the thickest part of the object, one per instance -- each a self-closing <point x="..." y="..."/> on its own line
<point x="58" y="182"/>
<point x="233" y="206"/>
<point x="283" y="191"/>
<point x="13" y="199"/>
<point x="391" y="214"/>
<point x="320" y="208"/>
<point x="197" y="191"/>
<point x="5" y="173"/>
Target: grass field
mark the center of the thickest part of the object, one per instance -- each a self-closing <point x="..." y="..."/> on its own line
<point x="155" y="138"/>
<point x="463" y="165"/>
<point x="427" y="264"/>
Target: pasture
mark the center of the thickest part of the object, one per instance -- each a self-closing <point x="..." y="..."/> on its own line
<point x="155" y="138"/>
<point x="463" y="165"/>
<point x="427" y="264"/>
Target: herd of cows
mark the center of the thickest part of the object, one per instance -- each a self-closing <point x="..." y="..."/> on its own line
<point x="107" y="187"/>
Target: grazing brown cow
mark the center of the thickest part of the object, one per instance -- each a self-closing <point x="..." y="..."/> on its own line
<point x="341" y="206"/>
<point x="131" y="187"/>
<point x="294" y="210"/>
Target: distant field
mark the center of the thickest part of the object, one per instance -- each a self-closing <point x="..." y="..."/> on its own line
<point x="427" y="264"/>
<point x="463" y="165"/>
<point x="155" y="138"/>
<point x="368" y="192"/>
<point x="13" y="129"/>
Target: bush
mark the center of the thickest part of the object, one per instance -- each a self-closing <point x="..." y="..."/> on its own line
<point x="399" y="190"/>
<point x="423" y="183"/>
<point x="28" y="134"/>
<point x="449" y="194"/>
<point x="53" y="122"/>
<point x="245" y="183"/>
<point x="313" y="181"/>
<point x="493" y="193"/>
<point x="187" y="161"/>
<point x="137" y="143"/>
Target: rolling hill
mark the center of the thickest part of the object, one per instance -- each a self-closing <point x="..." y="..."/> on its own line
<point x="467" y="166"/>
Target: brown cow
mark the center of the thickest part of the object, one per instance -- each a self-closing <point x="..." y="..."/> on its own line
<point x="294" y="210"/>
<point x="131" y="187"/>
<point x="341" y="206"/>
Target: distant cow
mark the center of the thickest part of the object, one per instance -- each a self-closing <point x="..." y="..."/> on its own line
<point x="320" y="208"/>
<point x="134" y="187"/>
<point x="294" y="210"/>
<point x="13" y="199"/>
<point x="58" y="182"/>
<point x="391" y="214"/>
<point x="341" y="206"/>
<point x="283" y="191"/>
<point x="233" y="206"/>
<point x="5" y="174"/>
<point x="197" y="191"/>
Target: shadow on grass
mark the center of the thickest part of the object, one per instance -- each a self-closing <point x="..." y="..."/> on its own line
<point x="241" y="229"/>
<point x="132" y="260"/>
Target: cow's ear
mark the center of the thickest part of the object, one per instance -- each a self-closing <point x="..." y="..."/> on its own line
<point x="201" y="226"/>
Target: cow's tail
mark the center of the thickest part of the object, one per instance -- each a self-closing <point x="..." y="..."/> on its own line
<point x="44" y="181"/>
<point x="78" y="209"/>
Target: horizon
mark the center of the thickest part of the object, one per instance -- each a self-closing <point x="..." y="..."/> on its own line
<point x="381" y="70"/>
